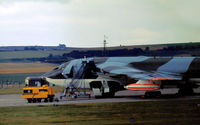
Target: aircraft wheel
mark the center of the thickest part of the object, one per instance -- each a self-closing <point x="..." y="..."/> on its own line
<point x="185" y="90"/>
<point x="152" y="94"/>
<point x="158" y="94"/>
<point x="108" y="95"/>
<point x="46" y="100"/>
<point x="147" y="95"/>
<point x="98" y="97"/>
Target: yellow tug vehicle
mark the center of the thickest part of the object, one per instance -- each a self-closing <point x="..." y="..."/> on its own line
<point x="37" y="89"/>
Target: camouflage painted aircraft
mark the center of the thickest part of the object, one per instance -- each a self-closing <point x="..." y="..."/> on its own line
<point x="107" y="75"/>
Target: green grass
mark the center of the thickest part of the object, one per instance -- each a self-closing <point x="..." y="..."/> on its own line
<point x="30" y="54"/>
<point x="17" y="77"/>
<point x="38" y="54"/>
<point x="151" y="113"/>
<point x="12" y="89"/>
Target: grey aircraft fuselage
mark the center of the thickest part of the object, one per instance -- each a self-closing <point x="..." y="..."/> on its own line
<point x="128" y="70"/>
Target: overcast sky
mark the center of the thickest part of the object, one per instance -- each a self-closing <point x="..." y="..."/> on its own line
<point x="83" y="23"/>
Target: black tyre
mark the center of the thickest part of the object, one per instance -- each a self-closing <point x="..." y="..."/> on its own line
<point x="147" y="95"/>
<point x="34" y="100"/>
<point x="108" y="95"/>
<point x="29" y="100"/>
<point x="98" y="97"/>
<point x="50" y="99"/>
<point x="39" y="100"/>
<point x="152" y="94"/>
<point x="46" y="100"/>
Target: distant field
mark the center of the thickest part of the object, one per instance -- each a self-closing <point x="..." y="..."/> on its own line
<point x="30" y="54"/>
<point x="15" y="73"/>
<point x="19" y="77"/>
<point x="14" y="68"/>
<point x="12" y="89"/>
<point x="39" y="54"/>
<point x="181" y="112"/>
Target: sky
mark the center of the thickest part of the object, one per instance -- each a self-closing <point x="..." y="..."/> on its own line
<point x="83" y="23"/>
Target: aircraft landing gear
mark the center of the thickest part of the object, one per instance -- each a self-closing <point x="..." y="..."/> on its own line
<point x="69" y="92"/>
<point x="186" y="90"/>
<point x="64" y="93"/>
<point x="150" y="94"/>
<point x="108" y="95"/>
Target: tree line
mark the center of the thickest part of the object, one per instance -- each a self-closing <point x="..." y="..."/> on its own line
<point x="175" y="50"/>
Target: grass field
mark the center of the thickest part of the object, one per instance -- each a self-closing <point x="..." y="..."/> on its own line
<point x="40" y="53"/>
<point x="17" y="72"/>
<point x="138" y="113"/>
<point x="14" y="68"/>
<point x="17" y="77"/>
<point x="17" y="89"/>
<point x="30" y="54"/>
<point x="12" y="89"/>
<point x="15" y="82"/>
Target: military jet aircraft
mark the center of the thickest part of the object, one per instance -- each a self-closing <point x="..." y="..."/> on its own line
<point x="107" y="75"/>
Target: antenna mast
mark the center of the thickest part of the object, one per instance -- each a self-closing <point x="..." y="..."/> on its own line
<point x="104" y="46"/>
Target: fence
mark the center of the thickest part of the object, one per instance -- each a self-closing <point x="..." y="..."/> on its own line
<point x="10" y="84"/>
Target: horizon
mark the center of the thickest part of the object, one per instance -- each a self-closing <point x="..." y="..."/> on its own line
<point x="102" y="46"/>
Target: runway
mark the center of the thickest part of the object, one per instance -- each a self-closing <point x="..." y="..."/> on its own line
<point x="121" y="96"/>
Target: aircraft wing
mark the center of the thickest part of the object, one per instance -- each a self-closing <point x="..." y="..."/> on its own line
<point x="125" y="66"/>
<point x="139" y="68"/>
<point x="148" y="71"/>
<point x="140" y="74"/>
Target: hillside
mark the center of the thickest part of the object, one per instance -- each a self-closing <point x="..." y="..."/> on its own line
<point x="62" y="55"/>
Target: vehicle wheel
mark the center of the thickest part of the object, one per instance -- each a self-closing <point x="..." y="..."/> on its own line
<point x="38" y="100"/>
<point x="29" y="100"/>
<point x="50" y="99"/>
<point x="46" y="100"/>
<point x="34" y="100"/>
